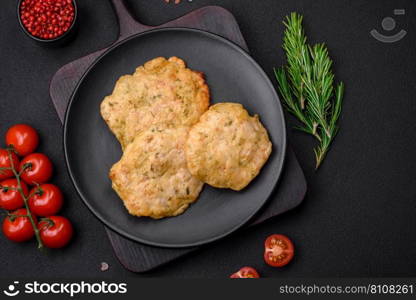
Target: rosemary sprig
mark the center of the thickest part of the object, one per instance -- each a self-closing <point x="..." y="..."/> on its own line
<point x="306" y="85"/>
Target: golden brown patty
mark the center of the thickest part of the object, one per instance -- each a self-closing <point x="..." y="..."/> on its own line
<point x="159" y="92"/>
<point x="152" y="178"/>
<point x="227" y="148"/>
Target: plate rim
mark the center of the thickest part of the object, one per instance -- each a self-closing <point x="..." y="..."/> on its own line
<point x="116" y="228"/>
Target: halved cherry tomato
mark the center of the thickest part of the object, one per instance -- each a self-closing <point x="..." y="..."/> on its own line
<point x="10" y="197"/>
<point x="5" y="163"/>
<point x="45" y="200"/>
<point x="55" y="231"/>
<point x="278" y="250"/>
<point x="36" y="168"/>
<point x="246" y="272"/>
<point x="18" y="229"/>
<point x="23" y="138"/>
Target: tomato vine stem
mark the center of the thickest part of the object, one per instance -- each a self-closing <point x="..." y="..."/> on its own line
<point x="25" y="199"/>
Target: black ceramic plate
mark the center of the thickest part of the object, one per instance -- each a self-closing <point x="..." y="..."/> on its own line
<point x="91" y="149"/>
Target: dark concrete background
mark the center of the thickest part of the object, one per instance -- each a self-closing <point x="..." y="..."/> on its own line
<point x="358" y="218"/>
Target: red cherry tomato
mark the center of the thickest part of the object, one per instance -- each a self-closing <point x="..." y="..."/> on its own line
<point x="46" y="200"/>
<point x="10" y="197"/>
<point x="23" y="138"/>
<point x="18" y="229"/>
<point x="37" y="168"/>
<point x="246" y="272"/>
<point x="278" y="250"/>
<point x="5" y="163"/>
<point x="56" y="232"/>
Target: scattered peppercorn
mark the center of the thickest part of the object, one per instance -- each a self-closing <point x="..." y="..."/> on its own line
<point x="47" y="19"/>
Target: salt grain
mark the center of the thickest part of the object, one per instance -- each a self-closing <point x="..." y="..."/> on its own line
<point x="104" y="266"/>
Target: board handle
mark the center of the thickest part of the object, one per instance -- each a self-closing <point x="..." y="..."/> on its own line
<point x="127" y="23"/>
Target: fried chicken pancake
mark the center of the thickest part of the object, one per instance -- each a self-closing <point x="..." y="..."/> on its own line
<point x="152" y="178"/>
<point x="227" y="147"/>
<point x="162" y="91"/>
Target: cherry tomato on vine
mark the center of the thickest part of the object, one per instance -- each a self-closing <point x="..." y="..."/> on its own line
<point x="36" y="168"/>
<point x="278" y="250"/>
<point x="55" y="231"/>
<point x="246" y="272"/>
<point x="23" y="138"/>
<point x="5" y="163"/>
<point x="45" y="200"/>
<point x="18" y="229"/>
<point x="10" y="197"/>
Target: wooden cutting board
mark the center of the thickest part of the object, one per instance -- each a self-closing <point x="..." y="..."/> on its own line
<point x="291" y="188"/>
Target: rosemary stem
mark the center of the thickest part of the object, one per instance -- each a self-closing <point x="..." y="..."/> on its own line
<point x="320" y="157"/>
